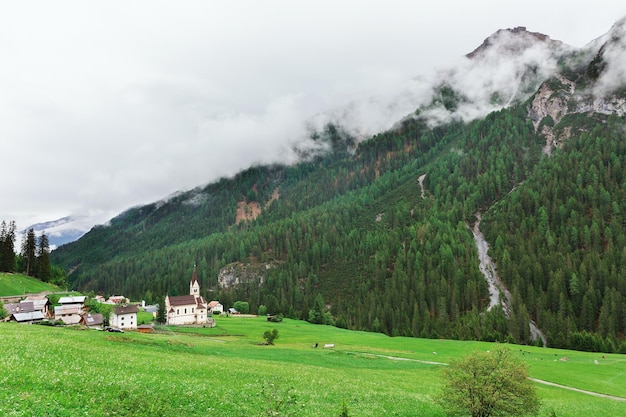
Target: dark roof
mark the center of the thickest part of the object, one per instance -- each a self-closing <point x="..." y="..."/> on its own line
<point x="194" y="275"/>
<point x="182" y="300"/>
<point x="129" y="309"/>
<point x="23" y="307"/>
<point x="92" y="319"/>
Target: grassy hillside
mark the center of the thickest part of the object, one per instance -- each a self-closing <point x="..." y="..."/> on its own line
<point x="224" y="371"/>
<point x="18" y="284"/>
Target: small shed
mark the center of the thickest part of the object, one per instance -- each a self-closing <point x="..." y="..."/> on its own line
<point x="145" y="328"/>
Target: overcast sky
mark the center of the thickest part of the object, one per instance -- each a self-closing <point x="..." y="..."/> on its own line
<point x="107" y="105"/>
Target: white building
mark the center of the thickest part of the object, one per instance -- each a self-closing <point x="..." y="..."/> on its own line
<point x="187" y="309"/>
<point x="124" y="317"/>
<point x="215" y="307"/>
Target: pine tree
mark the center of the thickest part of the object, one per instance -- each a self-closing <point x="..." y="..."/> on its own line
<point x="44" y="269"/>
<point x="7" y="242"/>
<point x="161" y="314"/>
<point x="29" y="246"/>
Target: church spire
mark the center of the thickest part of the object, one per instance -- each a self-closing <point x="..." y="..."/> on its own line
<point x="194" y="285"/>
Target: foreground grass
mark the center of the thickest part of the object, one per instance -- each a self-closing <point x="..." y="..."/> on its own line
<point x="18" y="284"/>
<point x="225" y="371"/>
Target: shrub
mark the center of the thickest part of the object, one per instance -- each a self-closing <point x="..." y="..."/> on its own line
<point x="269" y="336"/>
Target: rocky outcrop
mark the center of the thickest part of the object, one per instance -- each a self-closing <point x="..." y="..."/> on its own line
<point x="240" y="273"/>
<point x="549" y="105"/>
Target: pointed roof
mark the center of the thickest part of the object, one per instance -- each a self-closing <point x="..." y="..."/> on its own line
<point x="194" y="275"/>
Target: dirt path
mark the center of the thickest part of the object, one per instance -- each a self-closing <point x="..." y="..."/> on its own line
<point x="582" y="391"/>
<point x="538" y="381"/>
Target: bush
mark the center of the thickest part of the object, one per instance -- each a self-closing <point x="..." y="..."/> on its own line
<point x="242" y="307"/>
<point x="269" y="336"/>
<point x="486" y="384"/>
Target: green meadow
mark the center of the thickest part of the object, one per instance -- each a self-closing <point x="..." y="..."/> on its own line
<point x="18" y="284"/>
<point x="48" y="371"/>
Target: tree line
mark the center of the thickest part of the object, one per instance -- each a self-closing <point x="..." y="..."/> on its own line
<point x="34" y="256"/>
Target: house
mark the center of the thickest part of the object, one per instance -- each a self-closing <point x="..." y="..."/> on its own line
<point x="187" y="309"/>
<point x="215" y="307"/>
<point x="124" y="317"/>
<point x="27" y="317"/>
<point x="21" y="307"/>
<point x="70" y="309"/>
<point x="40" y="303"/>
<point x="93" y="321"/>
<point x="118" y="299"/>
<point x="154" y="309"/>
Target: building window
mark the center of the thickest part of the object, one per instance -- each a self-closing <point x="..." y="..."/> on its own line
<point x="191" y="309"/>
<point x="185" y="311"/>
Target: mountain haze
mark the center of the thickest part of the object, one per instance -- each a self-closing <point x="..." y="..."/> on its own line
<point x="526" y="133"/>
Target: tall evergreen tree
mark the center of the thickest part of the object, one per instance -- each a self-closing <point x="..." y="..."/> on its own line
<point x="7" y="246"/>
<point x="44" y="270"/>
<point x="161" y="314"/>
<point x="29" y="247"/>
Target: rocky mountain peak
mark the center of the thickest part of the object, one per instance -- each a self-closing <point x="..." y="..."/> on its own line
<point x="513" y="40"/>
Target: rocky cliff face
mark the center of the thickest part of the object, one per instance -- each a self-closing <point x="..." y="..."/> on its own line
<point x="595" y="83"/>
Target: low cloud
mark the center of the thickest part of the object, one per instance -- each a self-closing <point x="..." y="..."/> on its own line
<point x="613" y="75"/>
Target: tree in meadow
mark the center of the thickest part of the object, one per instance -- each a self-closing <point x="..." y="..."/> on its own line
<point x="488" y="384"/>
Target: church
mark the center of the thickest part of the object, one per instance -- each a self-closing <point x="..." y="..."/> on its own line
<point x="187" y="309"/>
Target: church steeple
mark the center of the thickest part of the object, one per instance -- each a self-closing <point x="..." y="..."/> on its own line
<point x="194" y="285"/>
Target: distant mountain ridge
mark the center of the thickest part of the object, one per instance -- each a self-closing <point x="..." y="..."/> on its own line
<point x="61" y="231"/>
<point x="380" y="230"/>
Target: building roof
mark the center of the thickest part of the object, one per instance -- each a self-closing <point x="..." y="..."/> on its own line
<point x="30" y="316"/>
<point x="128" y="309"/>
<point x="95" y="319"/>
<point x="146" y="326"/>
<point x="77" y="299"/>
<point x="23" y="307"/>
<point x="39" y="303"/>
<point x="194" y="275"/>
<point x="67" y="309"/>
<point x="182" y="300"/>
<point x="214" y="303"/>
<point x="151" y="309"/>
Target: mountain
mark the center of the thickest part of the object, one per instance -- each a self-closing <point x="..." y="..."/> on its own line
<point x="61" y="231"/>
<point x="522" y="143"/>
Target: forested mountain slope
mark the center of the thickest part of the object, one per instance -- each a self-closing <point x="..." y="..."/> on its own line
<point x="380" y="232"/>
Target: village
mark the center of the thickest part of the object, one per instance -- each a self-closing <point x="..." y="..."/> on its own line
<point x="182" y="310"/>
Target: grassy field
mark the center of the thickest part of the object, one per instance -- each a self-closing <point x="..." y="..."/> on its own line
<point x="18" y="284"/>
<point x="226" y="371"/>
